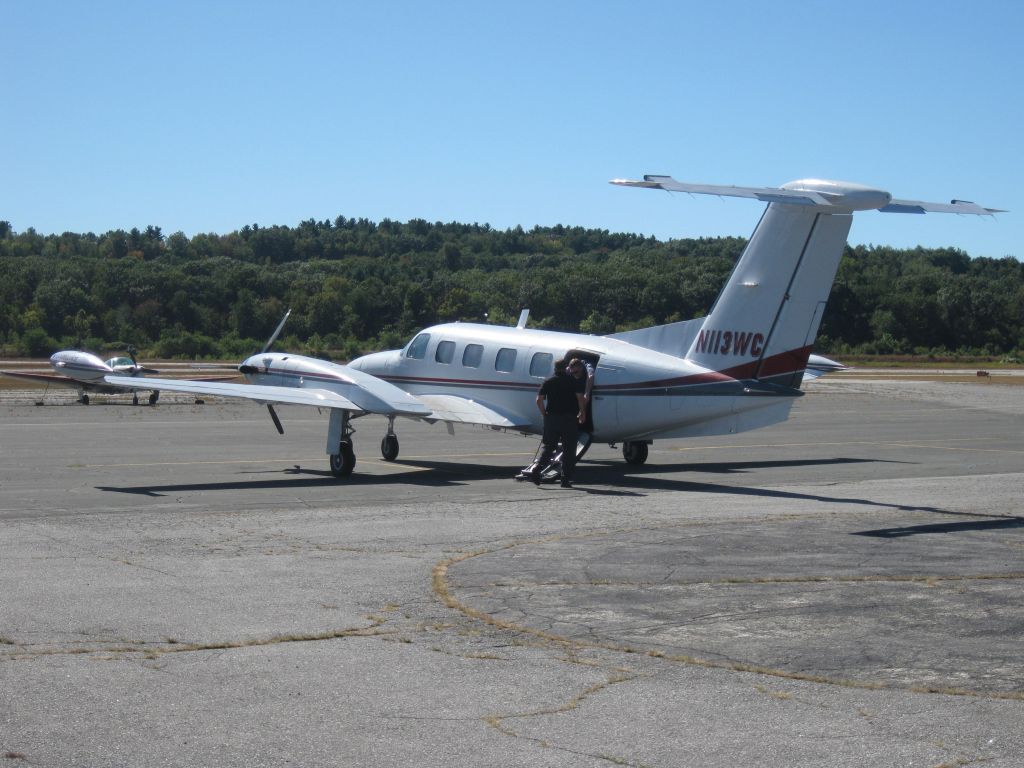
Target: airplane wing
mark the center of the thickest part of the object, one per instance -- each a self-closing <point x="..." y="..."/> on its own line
<point x="48" y="378"/>
<point x="461" y="410"/>
<point x="58" y="380"/>
<point x="321" y="398"/>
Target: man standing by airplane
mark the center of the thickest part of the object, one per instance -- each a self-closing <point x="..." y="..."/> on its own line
<point x="583" y="370"/>
<point x="560" y="401"/>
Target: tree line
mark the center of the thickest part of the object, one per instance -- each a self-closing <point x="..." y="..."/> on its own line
<point x="356" y="285"/>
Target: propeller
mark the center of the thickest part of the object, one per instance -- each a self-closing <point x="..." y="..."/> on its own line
<point x="267" y="346"/>
<point x="277" y="421"/>
<point x="276" y="333"/>
<point x="135" y="363"/>
<point x="130" y="350"/>
<point x="254" y="369"/>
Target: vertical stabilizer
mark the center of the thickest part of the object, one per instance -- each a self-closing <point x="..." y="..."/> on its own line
<point x="764" y="322"/>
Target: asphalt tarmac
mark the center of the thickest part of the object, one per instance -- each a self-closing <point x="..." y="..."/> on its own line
<point x="182" y="586"/>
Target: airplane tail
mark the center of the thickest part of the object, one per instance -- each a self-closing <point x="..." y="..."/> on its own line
<point x="764" y="322"/>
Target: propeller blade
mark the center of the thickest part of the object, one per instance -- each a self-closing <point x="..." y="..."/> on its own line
<point x="274" y="335"/>
<point x="277" y="421"/>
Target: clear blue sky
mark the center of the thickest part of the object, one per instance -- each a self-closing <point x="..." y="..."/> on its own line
<point x="206" y="116"/>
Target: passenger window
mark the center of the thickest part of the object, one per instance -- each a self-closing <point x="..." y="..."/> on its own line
<point x="418" y="347"/>
<point x="445" y="352"/>
<point x="472" y="355"/>
<point x="541" y="364"/>
<point x="506" y="360"/>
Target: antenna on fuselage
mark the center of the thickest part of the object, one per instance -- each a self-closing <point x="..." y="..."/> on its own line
<point x="523" y="317"/>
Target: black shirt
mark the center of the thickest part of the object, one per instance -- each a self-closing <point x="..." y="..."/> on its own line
<point x="560" y="391"/>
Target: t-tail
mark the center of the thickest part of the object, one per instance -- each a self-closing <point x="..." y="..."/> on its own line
<point x="765" y="320"/>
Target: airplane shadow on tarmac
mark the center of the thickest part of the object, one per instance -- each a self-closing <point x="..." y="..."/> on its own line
<point x="612" y="478"/>
<point x="446" y="473"/>
<point x="987" y="524"/>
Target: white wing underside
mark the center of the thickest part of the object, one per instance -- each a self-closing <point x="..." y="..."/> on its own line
<point x="449" y="408"/>
<point x="322" y="398"/>
<point x="460" y="410"/>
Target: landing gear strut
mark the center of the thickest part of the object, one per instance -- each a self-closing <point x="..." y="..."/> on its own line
<point x="339" y="444"/>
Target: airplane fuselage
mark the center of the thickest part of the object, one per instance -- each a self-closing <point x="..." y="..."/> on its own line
<point x="638" y="393"/>
<point x="81" y="366"/>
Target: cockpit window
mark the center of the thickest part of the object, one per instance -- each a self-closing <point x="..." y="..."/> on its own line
<point x="418" y="347"/>
<point x="541" y="364"/>
<point x="445" y="352"/>
<point x="505" y="360"/>
<point x="472" y="355"/>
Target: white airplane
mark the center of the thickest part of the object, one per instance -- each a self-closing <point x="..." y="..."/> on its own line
<point x="739" y="368"/>
<point x="85" y="372"/>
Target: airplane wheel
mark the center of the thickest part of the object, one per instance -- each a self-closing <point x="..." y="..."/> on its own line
<point x="135" y="398"/>
<point x="343" y="462"/>
<point x="153" y="398"/>
<point x="84" y="399"/>
<point x="634" y="452"/>
<point x="389" y="447"/>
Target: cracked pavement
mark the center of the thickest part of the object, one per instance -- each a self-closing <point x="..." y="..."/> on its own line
<point x="181" y="586"/>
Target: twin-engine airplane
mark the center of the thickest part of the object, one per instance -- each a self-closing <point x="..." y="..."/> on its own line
<point x="738" y="368"/>
<point x="84" y="371"/>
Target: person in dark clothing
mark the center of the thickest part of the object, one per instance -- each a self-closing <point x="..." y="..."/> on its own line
<point x="583" y="371"/>
<point x="560" y="401"/>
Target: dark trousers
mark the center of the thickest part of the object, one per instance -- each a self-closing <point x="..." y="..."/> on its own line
<point x="564" y="427"/>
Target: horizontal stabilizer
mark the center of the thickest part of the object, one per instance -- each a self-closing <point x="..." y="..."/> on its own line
<point x="829" y="196"/>
<point x="953" y="206"/>
<point x="765" y="194"/>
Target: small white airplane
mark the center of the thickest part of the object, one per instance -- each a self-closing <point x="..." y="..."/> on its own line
<point x="739" y="368"/>
<point x="85" y="372"/>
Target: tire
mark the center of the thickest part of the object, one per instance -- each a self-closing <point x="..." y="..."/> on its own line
<point x="343" y="462"/>
<point x="389" y="447"/>
<point x="634" y="452"/>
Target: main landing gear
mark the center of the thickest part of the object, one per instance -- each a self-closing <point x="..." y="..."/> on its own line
<point x="389" y="445"/>
<point x="339" y="443"/>
<point x="634" y="451"/>
<point x="344" y="461"/>
<point x="153" y="397"/>
<point x="340" y="450"/>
